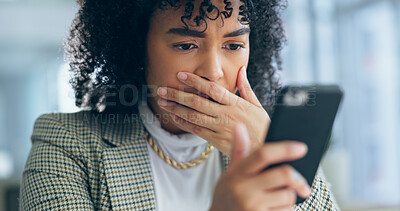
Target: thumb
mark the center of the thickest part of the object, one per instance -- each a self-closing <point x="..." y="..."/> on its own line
<point x="241" y="143"/>
<point x="245" y="90"/>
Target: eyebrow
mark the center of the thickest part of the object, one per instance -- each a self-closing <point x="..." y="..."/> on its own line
<point x="194" y="33"/>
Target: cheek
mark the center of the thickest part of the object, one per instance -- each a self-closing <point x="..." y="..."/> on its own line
<point x="162" y="67"/>
<point x="232" y="69"/>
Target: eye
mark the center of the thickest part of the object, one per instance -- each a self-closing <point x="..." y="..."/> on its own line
<point x="185" y="46"/>
<point x="234" y="47"/>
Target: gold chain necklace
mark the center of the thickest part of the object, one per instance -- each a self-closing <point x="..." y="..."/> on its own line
<point x="172" y="162"/>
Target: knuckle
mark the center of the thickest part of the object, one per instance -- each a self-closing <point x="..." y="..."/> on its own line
<point x="171" y="93"/>
<point x="197" y="129"/>
<point x="227" y="116"/>
<point x="194" y="101"/>
<point x="193" y="117"/>
<point x="172" y="108"/>
<point x="241" y="107"/>
<point x="190" y="80"/>
<point x="179" y="120"/>
<point x="223" y="94"/>
<point x="213" y="89"/>
<point x="263" y="155"/>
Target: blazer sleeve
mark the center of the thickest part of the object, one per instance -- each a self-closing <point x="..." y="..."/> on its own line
<point x="54" y="177"/>
<point x="321" y="198"/>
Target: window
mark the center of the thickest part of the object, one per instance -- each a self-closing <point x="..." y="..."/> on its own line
<point x="355" y="44"/>
<point x="66" y="98"/>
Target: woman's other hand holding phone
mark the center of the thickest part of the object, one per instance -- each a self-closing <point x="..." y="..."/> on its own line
<point x="245" y="186"/>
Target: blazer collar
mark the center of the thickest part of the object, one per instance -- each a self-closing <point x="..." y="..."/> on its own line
<point x="127" y="163"/>
<point x="121" y="129"/>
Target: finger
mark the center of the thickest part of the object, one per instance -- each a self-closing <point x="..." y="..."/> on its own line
<point x="270" y="153"/>
<point x="203" y="132"/>
<point x="281" y="198"/>
<point x="280" y="177"/>
<point x="241" y="143"/>
<point x="245" y="90"/>
<point x="210" y="88"/>
<point x="191" y="100"/>
<point x="284" y="208"/>
<point x="188" y="114"/>
<point x="263" y="200"/>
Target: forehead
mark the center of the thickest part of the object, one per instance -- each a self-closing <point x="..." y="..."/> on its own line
<point x="172" y="17"/>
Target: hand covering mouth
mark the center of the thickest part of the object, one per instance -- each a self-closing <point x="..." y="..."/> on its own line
<point x="201" y="94"/>
<point x="207" y="97"/>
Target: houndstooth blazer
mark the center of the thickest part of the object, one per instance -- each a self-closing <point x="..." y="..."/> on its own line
<point x="100" y="161"/>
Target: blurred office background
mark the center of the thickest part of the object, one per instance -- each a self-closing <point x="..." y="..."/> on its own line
<point x="353" y="43"/>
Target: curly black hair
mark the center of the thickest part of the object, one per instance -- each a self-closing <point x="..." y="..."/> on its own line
<point x="106" y="47"/>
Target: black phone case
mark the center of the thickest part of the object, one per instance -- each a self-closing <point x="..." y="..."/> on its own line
<point x="306" y="114"/>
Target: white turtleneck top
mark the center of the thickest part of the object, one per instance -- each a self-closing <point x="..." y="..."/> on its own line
<point x="180" y="189"/>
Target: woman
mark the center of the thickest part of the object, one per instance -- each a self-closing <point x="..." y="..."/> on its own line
<point x="165" y="85"/>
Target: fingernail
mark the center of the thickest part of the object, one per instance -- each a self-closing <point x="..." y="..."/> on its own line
<point x="162" y="91"/>
<point x="299" y="148"/>
<point x="182" y="76"/>
<point x="162" y="102"/>
<point x="244" y="72"/>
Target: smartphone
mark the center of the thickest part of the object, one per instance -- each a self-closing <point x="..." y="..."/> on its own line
<point x="306" y="114"/>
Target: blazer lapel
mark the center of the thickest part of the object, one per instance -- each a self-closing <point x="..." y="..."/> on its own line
<point x="127" y="165"/>
<point x="226" y="160"/>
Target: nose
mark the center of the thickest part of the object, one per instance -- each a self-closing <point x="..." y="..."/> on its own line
<point x="210" y="67"/>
